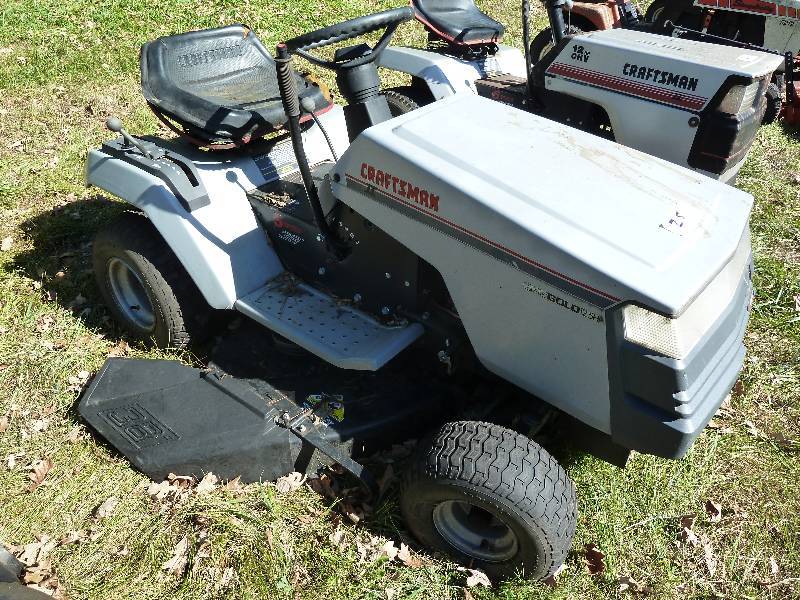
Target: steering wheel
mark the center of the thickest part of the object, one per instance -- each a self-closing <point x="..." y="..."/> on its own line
<point x="387" y="20"/>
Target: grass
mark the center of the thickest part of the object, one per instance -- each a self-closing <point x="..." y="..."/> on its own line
<point x="64" y="67"/>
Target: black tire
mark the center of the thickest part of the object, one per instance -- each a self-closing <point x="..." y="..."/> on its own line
<point x="178" y="314"/>
<point x="543" y="42"/>
<point x="774" y="100"/>
<point x="404" y="99"/>
<point x="514" y="484"/>
<point x="654" y="11"/>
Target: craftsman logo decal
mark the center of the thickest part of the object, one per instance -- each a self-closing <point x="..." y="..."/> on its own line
<point x="580" y="53"/>
<point x="565" y="304"/>
<point x="209" y="56"/>
<point x="661" y="77"/>
<point x="137" y="425"/>
<point x="401" y="187"/>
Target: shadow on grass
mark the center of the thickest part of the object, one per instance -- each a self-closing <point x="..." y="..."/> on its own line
<point x="61" y="258"/>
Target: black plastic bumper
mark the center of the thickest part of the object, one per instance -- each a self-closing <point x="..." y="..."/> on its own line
<point x="660" y="405"/>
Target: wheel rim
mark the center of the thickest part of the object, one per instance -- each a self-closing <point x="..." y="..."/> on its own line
<point x="474" y="531"/>
<point x="130" y="294"/>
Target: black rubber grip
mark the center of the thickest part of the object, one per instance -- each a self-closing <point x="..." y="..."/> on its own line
<point x="350" y="29"/>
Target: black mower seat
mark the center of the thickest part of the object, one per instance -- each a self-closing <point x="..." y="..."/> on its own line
<point x="458" y="21"/>
<point x="219" y="84"/>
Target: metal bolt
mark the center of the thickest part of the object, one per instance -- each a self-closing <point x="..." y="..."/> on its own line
<point x="426" y="316"/>
<point x="388" y="275"/>
<point x="321" y="270"/>
<point x="407" y="283"/>
<point x="319" y="237"/>
<point x="301" y="429"/>
<point x="337" y="177"/>
<point x="385" y="311"/>
<point x="285" y="415"/>
<point x="356" y="297"/>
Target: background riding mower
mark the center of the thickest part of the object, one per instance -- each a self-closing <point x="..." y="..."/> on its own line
<point x="693" y="104"/>
<point x="770" y="25"/>
<point x="412" y="288"/>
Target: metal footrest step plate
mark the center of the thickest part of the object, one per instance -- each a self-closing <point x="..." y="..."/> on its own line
<point x="337" y="333"/>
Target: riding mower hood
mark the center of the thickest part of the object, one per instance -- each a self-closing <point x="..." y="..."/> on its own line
<point x="695" y="104"/>
<point x="393" y="283"/>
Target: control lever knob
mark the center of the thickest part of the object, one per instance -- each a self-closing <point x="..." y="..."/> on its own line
<point x="307" y="104"/>
<point x="115" y="124"/>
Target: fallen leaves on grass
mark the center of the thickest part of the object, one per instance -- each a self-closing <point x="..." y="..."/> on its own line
<point x="595" y="559"/>
<point x="76" y="382"/>
<point x="409" y="559"/>
<point x="6" y="244"/>
<point x="476" y="577"/>
<point x="74" y="435"/>
<point x="176" y="564"/>
<point x="39" y="471"/>
<point x="291" y="482"/>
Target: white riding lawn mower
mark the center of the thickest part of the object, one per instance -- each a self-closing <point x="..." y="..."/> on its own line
<point x="695" y="104"/>
<point x="393" y="283"/>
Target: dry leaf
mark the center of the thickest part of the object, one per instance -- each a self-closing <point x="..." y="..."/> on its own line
<point x="630" y="585"/>
<point x="36" y="552"/>
<point x="291" y="482"/>
<point x="39" y="471"/>
<point x="235" y="485"/>
<point x="6" y="244"/>
<point x="11" y="461"/>
<point x="3" y="423"/>
<point x="158" y="491"/>
<point x="391" y="593"/>
<point x="354" y="513"/>
<point x="74" y="435"/>
<point x="552" y="581"/>
<point x="407" y="558"/>
<point x="180" y="556"/>
<point x="106" y="509"/>
<point x="74" y="537"/>
<point x="184" y="482"/>
<point x="714" y="511"/>
<point x="752" y="429"/>
<point x="207" y="483"/>
<point x="476" y="577"/>
<point x="39" y="425"/>
<point x="389" y="550"/>
<point x="594" y="559"/>
<point x="773" y="566"/>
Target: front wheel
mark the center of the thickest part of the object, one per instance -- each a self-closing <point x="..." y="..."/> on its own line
<point x="404" y="99"/>
<point x="543" y="43"/>
<point x="492" y="499"/>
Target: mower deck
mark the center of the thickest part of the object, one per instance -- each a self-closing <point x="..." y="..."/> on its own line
<point x="258" y="412"/>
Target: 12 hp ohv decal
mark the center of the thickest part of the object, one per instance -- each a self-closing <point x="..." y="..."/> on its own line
<point x="676" y="80"/>
<point x="400" y="187"/>
<point x="563" y="303"/>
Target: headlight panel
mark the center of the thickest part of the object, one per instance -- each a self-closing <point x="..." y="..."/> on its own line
<point x="677" y="337"/>
<point x="740" y="98"/>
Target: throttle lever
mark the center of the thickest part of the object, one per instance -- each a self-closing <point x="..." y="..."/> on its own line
<point x="115" y="125"/>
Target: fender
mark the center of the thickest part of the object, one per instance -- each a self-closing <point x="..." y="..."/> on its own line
<point x="602" y="16"/>
<point x="445" y="75"/>
<point x="220" y="244"/>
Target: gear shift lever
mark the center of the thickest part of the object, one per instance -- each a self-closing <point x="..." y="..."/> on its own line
<point x="115" y="125"/>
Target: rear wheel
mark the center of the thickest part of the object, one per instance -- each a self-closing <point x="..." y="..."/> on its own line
<point x="492" y="499"/>
<point x="145" y="287"/>
<point x="774" y="100"/>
